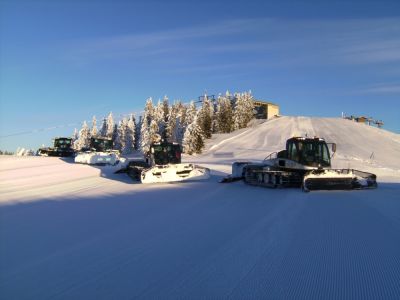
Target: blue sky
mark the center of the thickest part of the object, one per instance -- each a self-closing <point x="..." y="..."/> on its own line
<point x="61" y="62"/>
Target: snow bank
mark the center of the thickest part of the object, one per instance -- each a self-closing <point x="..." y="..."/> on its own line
<point x="24" y="152"/>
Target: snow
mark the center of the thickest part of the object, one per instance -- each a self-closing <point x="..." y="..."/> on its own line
<point x="93" y="158"/>
<point x="177" y="172"/>
<point x="74" y="231"/>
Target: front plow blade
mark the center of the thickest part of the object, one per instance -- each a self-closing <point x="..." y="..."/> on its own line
<point x="174" y="172"/>
<point x="338" y="179"/>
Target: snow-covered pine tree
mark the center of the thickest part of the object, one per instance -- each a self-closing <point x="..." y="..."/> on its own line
<point x="148" y="116"/>
<point x="159" y="117"/>
<point x="205" y="117"/>
<point x="94" y="130"/>
<point x="154" y="132"/>
<point x="103" y="130"/>
<point x="224" y="115"/>
<point x="249" y="104"/>
<point x="149" y="111"/>
<point x="191" y="113"/>
<point x="145" y="140"/>
<point x="84" y="137"/>
<point x="119" y="135"/>
<point x="137" y="133"/>
<point x="181" y="110"/>
<point x="179" y="131"/>
<point x="174" y="126"/>
<point x="243" y="110"/>
<point x="75" y="137"/>
<point x="130" y="131"/>
<point x="193" y="140"/>
<point x="114" y="136"/>
<point x="180" y="121"/>
<point x="166" y="109"/>
<point x="171" y="124"/>
<point x="110" y="126"/>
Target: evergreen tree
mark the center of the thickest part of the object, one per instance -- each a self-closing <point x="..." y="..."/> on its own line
<point x="130" y="131"/>
<point x="171" y="124"/>
<point x="193" y="140"/>
<point x="224" y="115"/>
<point x="84" y="137"/>
<point x="180" y="110"/>
<point x="205" y="117"/>
<point x="137" y="133"/>
<point x="165" y="105"/>
<point x="114" y="135"/>
<point x="75" y="137"/>
<point x="191" y="113"/>
<point x="145" y="140"/>
<point x="119" y="135"/>
<point x="154" y="132"/>
<point x="179" y="131"/>
<point x="103" y="130"/>
<point x="149" y="111"/>
<point x="148" y="116"/>
<point x="175" y="128"/>
<point x="159" y="117"/>
<point x="110" y="126"/>
<point x="243" y="110"/>
<point x="94" y="130"/>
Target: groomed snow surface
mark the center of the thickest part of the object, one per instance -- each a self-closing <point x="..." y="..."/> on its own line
<point x="73" y="231"/>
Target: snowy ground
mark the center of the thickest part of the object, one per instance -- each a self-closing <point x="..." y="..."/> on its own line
<point x="70" y="231"/>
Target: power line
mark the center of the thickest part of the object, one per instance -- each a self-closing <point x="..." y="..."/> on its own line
<point x="38" y="130"/>
<point x="56" y="127"/>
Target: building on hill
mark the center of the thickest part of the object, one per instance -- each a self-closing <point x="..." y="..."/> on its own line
<point x="262" y="109"/>
<point x="265" y="110"/>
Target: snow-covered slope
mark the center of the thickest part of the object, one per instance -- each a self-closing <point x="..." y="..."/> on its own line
<point x="358" y="146"/>
<point x="72" y="231"/>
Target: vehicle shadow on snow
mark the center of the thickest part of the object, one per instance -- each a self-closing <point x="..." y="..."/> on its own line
<point x="163" y="236"/>
<point x="146" y="242"/>
<point x="68" y="160"/>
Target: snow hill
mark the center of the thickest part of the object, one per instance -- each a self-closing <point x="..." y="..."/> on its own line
<point x="358" y="146"/>
<point x="71" y="231"/>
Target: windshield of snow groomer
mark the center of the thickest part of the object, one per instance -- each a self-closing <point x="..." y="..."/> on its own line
<point x="166" y="154"/>
<point x="310" y="153"/>
<point x="101" y="144"/>
<point x="314" y="153"/>
<point x="62" y="143"/>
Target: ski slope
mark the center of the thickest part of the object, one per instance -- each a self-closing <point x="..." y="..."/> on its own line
<point x="72" y="231"/>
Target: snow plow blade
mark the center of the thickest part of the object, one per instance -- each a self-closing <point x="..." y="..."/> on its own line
<point x="338" y="179"/>
<point x="97" y="158"/>
<point x="55" y="152"/>
<point x="238" y="168"/>
<point x="174" y="172"/>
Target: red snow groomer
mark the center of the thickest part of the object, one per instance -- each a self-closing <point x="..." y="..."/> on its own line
<point x="305" y="163"/>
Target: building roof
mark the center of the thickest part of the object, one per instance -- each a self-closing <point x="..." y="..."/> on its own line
<point x="265" y="102"/>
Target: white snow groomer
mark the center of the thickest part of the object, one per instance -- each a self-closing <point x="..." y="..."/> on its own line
<point x="305" y="163"/>
<point x="62" y="148"/>
<point x="100" y="152"/>
<point x="163" y="164"/>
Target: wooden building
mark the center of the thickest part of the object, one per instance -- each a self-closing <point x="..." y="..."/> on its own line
<point x="265" y="110"/>
<point x="262" y="109"/>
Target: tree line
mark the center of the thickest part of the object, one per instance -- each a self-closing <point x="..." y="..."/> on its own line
<point x="181" y="123"/>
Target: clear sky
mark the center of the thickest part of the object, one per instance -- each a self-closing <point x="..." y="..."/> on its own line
<point x="61" y="62"/>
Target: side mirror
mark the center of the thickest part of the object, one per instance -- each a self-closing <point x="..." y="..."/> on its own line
<point x="333" y="147"/>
